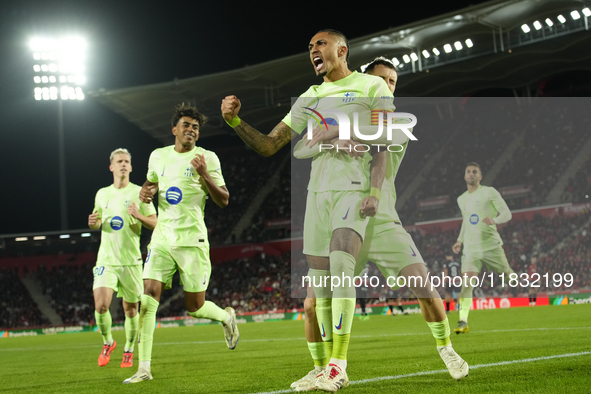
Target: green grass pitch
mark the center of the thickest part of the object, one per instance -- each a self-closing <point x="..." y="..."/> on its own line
<point x="270" y="356"/>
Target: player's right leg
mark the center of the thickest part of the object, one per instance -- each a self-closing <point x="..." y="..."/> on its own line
<point x="104" y="284"/>
<point x="316" y="346"/>
<point x="158" y="271"/>
<point x="465" y="301"/>
<point x="131" y="288"/>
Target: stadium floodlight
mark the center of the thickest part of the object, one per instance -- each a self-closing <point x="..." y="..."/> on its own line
<point x="561" y="18"/>
<point x="414" y="57"/>
<point x="458" y="45"/>
<point x="525" y="28"/>
<point x="84" y="235"/>
<point x="426" y="54"/>
<point x="65" y="63"/>
<point x="21" y="239"/>
<point x="395" y="61"/>
<point x="59" y="70"/>
<point x="586" y="11"/>
<point x="436" y="51"/>
<point x="64" y="236"/>
<point x="39" y="237"/>
<point x="575" y="15"/>
<point x="447" y="48"/>
<point x="537" y="25"/>
<point x="469" y="43"/>
<point x="406" y="59"/>
<point x="549" y="22"/>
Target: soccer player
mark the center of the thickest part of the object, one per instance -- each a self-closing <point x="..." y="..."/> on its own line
<point x="392" y="249"/>
<point x="452" y="269"/>
<point x="339" y="191"/>
<point x="480" y="206"/>
<point x="118" y="210"/>
<point x="183" y="175"/>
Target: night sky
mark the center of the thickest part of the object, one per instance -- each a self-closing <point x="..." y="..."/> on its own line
<point x="134" y="43"/>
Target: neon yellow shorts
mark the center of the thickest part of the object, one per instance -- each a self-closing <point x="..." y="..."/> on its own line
<point x="192" y="263"/>
<point x="126" y="280"/>
<point x="494" y="259"/>
<point x="328" y="211"/>
<point x="391" y="248"/>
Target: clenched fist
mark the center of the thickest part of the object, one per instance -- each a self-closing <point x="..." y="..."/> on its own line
<point x="230" y="107"/>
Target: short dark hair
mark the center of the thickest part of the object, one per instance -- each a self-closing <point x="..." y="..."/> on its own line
<point x="474" y="164"/>
<point x="381" y="60"/>
<point x="338" y="33"/>
<point x="186" y="109"/>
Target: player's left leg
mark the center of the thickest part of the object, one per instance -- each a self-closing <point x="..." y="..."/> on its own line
<point x="434" y="314"/>
<point x="195" y="271"/>
<point x="130" y="287"/>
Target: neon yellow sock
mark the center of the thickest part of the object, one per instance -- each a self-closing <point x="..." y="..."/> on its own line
<point x="441" y="332"/>
<point x="147" y="326"/>
<point x="103" y="322"/>
<point x="465" y="304"/>
<point x="131" y="332"/>
<point x="328" y="345"/>
<point x="324" y="317"/>
<point x="341" y="346"/>
<point x="210" y="311"/>
<point x="318" y="352"/>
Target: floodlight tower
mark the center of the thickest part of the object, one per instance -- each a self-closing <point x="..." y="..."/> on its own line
<point x="59" y="74"/>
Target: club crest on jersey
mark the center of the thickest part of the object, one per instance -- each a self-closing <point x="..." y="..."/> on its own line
<point x="117" y="223"/>
<point x="474" y="219"/>
<point x="349" y="97"/>
<point x="127" y="203"/>
<point x="189" y="172"/>
<point x="174" y="195"/>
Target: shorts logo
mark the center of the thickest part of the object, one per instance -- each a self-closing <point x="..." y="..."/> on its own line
<point x="323" y="333"/>
<point x="340" y="323"/>
<point x="204" y="279"/>
<point x="117" y="223"/>
<point x="347" y="214"/>
<point x="413" y="251"/>
<point x="174" y="195"/>
<point x="149" y="253"/>
<point x="474" y="219"/>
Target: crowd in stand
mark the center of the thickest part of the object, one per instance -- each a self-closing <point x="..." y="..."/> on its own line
<point x="263" y="283"/>
<point x="17" y="308"/>
<point x="69" y="288"/>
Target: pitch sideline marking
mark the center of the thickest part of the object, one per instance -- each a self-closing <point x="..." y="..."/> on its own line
<point x="297" y="338"/>
<point x="423" y="373"/>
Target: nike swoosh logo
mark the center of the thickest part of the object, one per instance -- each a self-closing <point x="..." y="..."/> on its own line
<point x="347" y="214"/>
<point x="323" y="333"/>
<point x="340" y="323"/>
<point x="413" y="251"/>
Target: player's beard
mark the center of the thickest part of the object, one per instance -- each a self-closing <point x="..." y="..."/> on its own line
<point x="322" y="74"/>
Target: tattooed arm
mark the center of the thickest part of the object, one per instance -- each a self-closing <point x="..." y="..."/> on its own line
<point x="266" y="145"/>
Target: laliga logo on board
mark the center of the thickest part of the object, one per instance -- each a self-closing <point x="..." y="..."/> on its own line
<point x="174" y="195"/>
<point x="117" y="223"/>
<point x="345" y="128"/>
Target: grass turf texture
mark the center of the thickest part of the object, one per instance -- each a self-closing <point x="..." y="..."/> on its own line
<point x="270" y="356"/>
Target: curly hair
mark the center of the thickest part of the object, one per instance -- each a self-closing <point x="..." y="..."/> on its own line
<point x="186" y="109"/>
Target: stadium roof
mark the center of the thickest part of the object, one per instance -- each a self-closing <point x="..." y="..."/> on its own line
<point x="488" y="48"/>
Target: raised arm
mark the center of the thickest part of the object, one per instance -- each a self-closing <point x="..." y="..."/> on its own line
<point x="266" y="145"/>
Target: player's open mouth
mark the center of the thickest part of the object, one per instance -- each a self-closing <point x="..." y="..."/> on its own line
<point x="189" y="136"/>
<point x="318" y="63"/>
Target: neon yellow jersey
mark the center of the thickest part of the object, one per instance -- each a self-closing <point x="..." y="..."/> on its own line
<point x="181" y="196"/>
<point x="120" y="232"/>
<point x="484" y="202"/>
<point x="357" y="93"/>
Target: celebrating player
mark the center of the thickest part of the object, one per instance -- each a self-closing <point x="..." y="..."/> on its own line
<point x="392" y="249"/>
<point x="183" y="175"/>
<point x="118" y="210"/>
<point x="480" y="206"/>
<point x="334" y="223"/>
